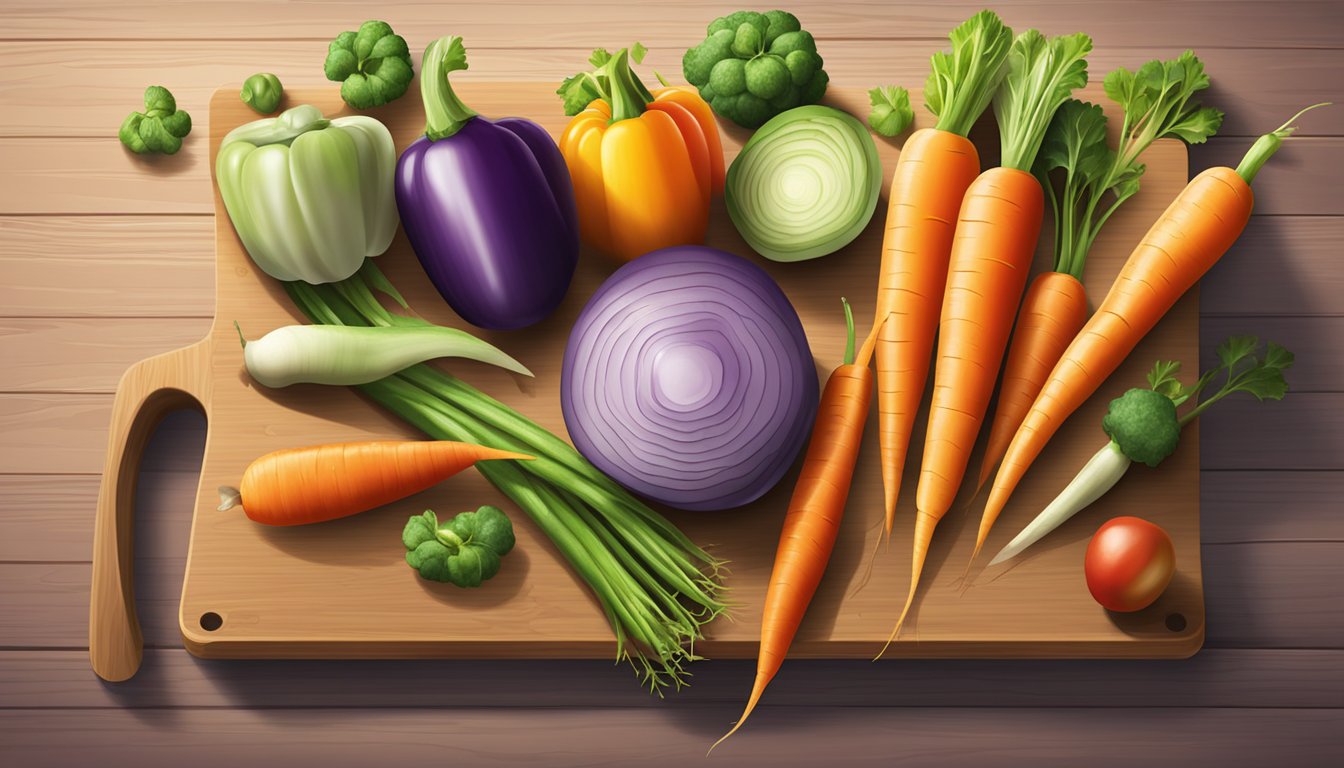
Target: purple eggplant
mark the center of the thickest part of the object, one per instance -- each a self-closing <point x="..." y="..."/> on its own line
<point x="487" y="205"/>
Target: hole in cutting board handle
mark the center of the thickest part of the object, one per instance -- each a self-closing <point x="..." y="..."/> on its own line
<point x="1176" y="622"/>
<point x="211" y="621"/>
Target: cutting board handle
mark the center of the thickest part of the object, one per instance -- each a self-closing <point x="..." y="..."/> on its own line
<point x="148" y="390"/>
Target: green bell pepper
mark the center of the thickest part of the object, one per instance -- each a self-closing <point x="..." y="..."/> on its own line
<point x="310" y="197"/>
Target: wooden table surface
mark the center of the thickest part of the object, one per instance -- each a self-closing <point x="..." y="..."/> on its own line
<point x="106" y="258"/>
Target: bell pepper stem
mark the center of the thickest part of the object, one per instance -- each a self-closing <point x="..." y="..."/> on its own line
<point x="445" y="114"/>
<point x="628" y="94"/>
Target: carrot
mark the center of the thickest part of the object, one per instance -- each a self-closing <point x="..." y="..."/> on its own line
<point x="1053" y="311"/>
<point x="992" y="251"/>
<point x="935" y="168"/>
<point x="1158" y="102"/>
<point x="815" y="511"/>
<point x="1189" y="238"/>
<point x="324" y="482"/>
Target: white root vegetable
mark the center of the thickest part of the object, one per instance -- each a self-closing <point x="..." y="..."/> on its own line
<point x="1098" y="476"/>
<point x="348" y="356"/>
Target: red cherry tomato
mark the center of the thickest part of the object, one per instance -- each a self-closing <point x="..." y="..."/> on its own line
<point x="1129" y="564"/>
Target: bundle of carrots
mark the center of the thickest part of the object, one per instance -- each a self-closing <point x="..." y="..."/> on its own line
<point x="1189" y="238"/>
<point x="991" y="253"/>
<point x="1158" y="103"/>
<point x="936" y="167"/>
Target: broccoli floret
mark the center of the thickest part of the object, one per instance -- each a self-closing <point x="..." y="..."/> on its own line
<point x="749" y="40"/>
<point x="372" y="65"/>
<point x="752" y="66"/>
<point x="779" y="22"/>
<point x="1143" y="424"/>
<point x="729" y="77"/>
<point x="465" y="551"/>
<point x="159" y="129"/>
<point x="793" y="41"/>
<point x="700" y="60"/>
<point x="767" y="77"/>
<point x="802" y="66"/>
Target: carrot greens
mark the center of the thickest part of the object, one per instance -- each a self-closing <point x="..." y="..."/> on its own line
<point x="1158" y="102"/>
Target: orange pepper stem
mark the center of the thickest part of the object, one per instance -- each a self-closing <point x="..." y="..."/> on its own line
<point x="628" y="94"/>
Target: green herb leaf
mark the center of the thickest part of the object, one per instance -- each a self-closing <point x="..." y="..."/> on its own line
<point x="1262" y="378"/>
<point x="892" y="113"/>
<point x="1162" y="378"/>
<point x="1235" y="349"/>
<point x="599" y="57"/>
<point x="1277" y="357"/>
<point x="1158" y="103"/>
<point x="577" y="92"/>
<point x="638" y="52"/>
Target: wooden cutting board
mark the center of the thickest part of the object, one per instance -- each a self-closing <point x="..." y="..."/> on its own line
<point x="342" y="589"/>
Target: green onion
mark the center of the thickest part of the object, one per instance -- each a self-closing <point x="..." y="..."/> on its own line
<point x="656" y="587"/>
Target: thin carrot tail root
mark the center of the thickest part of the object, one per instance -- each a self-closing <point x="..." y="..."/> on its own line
<point x="757" y="688"/>
<point x="966" y="575"/>
<point x="909" y="600"/>
<point x="924" y="525"/>
<point x="868" y="572"/>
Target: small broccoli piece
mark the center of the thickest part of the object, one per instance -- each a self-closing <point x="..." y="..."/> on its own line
<point x="465" y="551"/>
<point x="752" y="66"/>
<point x="262" y="92"/>
<point x="159" y="129"/>
<point x="1143" y="424"/>
<point x="372" y="65"/>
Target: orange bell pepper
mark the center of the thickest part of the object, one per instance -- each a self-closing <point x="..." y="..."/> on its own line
<point x="644" y="165"/>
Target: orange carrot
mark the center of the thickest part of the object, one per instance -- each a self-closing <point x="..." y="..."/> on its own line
<point x="935" y="168"/>
<point x="815" y="511"/>
<point x="1095" y="182"/>
<point x="1053" y="311"/>
<point x="992" y="251"/>
<point x="1189" y="238"/>
<point x="324" y="482"/>
<point x="930" y="180"/>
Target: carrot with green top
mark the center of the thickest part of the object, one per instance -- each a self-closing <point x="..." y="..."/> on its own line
<point x="1189" y="238"/>
<point x="936" y="166"/>
<point x="992" y="250"/>
<point x="1158" y="103"/>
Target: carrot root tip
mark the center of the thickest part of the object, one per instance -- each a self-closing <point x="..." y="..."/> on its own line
<point x="229" y="498"/>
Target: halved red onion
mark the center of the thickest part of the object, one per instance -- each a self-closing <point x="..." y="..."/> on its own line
<point x="688" y="379"/>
